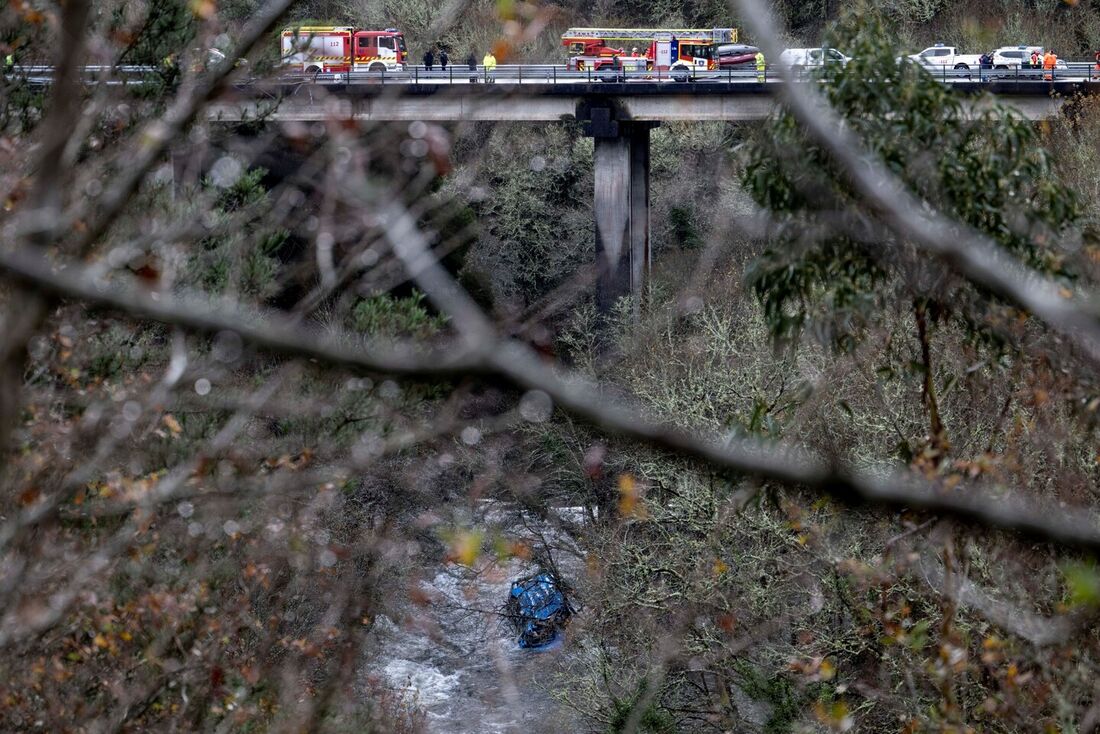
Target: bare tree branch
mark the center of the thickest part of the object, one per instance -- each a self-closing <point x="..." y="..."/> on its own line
<point x="484" y="354"/>
<point x="785" y="463"/>
<point x="154" y="139"/>
<point x="266" y="330"/>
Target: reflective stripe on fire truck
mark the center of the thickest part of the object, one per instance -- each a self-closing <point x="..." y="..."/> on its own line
<point x="349" y="58"/>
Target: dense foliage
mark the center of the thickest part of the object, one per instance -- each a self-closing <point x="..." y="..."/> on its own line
<point x="203" y="531"/>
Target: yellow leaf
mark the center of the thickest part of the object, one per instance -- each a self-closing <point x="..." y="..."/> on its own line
<point x="466" y="547"/>
<point x="172" y="424"/>
<point x="630" y="503"/>
<point x="202" y="8"/>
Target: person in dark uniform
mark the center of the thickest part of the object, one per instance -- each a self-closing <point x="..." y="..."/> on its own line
<point x="429" y="59"/>
<point x="444" y="59"/>
<point x="471" y="61"/>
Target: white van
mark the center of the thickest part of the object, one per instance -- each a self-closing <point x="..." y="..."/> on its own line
<point x="797" y="59"/>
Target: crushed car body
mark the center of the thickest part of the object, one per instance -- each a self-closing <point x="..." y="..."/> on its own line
<point x="538" y="610"/>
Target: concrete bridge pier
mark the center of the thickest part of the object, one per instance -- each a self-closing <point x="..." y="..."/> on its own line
<point x="621" y="208"/>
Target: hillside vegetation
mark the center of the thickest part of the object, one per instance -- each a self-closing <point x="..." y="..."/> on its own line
<point x="261" y="384"/>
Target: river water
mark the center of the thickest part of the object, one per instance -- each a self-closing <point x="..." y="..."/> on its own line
<point x="445" y="649"/>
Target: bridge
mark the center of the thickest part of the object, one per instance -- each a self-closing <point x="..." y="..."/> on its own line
<point x="617" y="111"/>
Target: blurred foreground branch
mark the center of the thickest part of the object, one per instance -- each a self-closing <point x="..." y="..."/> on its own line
<point x="521" y="366"/>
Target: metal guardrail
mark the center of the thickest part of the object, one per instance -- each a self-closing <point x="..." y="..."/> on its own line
<point x="93" y="70"/>
<point x="122" y="75"/>
<point x="1071" y="71"/>
<point x="559" y="74"/>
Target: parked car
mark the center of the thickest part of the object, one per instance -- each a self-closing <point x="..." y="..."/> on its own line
<point x="946" y="57"/>
<point x="798" y="59"/>
<point x="1013" y="57"/>
<point x="733" y="55"/>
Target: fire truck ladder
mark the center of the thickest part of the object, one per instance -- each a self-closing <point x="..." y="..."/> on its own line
<point x="316" y="29"/>
<point x="715" y="35"/>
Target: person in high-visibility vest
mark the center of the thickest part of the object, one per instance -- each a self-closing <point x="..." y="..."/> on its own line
<point x="760" y="66"/>
<point x="1049" y="60"/>
<point x="490" y="64"/>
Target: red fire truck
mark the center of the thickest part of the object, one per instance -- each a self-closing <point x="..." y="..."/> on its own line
<point x="662" y="49"/>
<point x="339" y="49"/>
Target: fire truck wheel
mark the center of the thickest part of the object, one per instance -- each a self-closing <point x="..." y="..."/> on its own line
<point x="313" y="71"/>
<point x="681" y="73"/>
<point x="376" y="67"/>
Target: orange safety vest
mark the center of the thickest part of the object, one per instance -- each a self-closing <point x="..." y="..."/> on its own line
<point x="1049" y="60"/>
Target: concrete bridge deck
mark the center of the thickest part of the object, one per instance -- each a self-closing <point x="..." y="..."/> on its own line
<point x="634" y="100"/>
<point x="618" y="115"/>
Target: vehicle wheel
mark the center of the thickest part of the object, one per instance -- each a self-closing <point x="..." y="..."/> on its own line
<point x="313" y="71"/>
<point x="1001" y="66"/>
<point x="376" y="67"/>
<point x="961" y="66"/>
<point x="680" y="73"/>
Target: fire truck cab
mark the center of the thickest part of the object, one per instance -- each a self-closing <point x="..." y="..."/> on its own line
<point x="675" y="50"/>
<point x="340" y="49"/>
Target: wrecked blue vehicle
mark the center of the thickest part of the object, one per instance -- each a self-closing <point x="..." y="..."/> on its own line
<point x="538" y="610"/>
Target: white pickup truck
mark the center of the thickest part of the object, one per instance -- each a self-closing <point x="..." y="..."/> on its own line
<point x="944" y="57"/>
